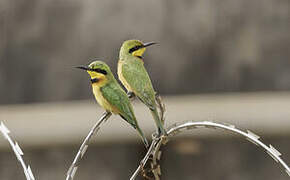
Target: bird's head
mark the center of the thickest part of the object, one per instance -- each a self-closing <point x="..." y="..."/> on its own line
<point x="98" y="71"/>
<point x="134" y="47"/>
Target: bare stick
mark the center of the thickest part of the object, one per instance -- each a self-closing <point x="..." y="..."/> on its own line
<point x="178" y="128"/>
<point x="18" y="152"/>
<point x="74" y="166"/>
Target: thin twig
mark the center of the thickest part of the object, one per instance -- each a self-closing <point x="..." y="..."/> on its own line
<point x="18" y="152"/>
<point x="178" y="128"/>
<point x="74" y="166"/>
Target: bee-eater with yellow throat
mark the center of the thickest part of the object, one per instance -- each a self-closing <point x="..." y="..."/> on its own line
<point x="134" y="77"/>
<point x="110" y="95"/>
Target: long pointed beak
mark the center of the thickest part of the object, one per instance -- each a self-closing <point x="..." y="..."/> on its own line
<point x="149" y="44"/>
<point x="83" y="68"/>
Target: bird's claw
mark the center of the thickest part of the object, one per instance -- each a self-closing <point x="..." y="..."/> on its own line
<point x="130" y="94"/>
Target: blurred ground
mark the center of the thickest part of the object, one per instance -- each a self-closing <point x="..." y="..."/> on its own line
<point x="208" y="49"/>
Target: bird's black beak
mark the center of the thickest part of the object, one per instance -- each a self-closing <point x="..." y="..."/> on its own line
<point x="83" y="68"/>
<point x="149" y="44"/>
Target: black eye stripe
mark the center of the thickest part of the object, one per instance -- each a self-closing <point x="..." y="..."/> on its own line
<point x="101" y="71"/>
<point x="135" y="48"/>
<point x="95" y="80"/>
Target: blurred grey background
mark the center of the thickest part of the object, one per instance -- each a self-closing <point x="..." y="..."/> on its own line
<point x="224" y="60"/>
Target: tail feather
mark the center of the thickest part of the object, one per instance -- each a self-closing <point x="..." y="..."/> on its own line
<point x="158" y="121"/>
<point x="143" y="137"/>
<point x="134" y="124"/>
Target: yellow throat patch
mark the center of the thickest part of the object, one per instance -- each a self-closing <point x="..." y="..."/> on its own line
<point x="139" y="52"/>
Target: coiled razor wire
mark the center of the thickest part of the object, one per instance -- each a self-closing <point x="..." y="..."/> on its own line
<point x="155" y="152"/>
<point x="18" y="152"/>
<point x="154" y="149"/>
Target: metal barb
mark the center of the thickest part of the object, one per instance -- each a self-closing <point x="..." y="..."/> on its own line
<point x="4" y="129"/>
<point x="84" y="150"/>
<point x="161" y="106"/>
<point x="30" y="173"/>
<point x="17" y="151"/>
<point x="158" y="170"/>
<point x="159" y="155"/>
<point x="232" y="126"/>
<point x="74" y="171"/>
<point x="275" y="151"/>
<point x="255" y="136"/>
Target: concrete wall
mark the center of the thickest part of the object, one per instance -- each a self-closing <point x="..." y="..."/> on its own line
<point x="205" y="45"/>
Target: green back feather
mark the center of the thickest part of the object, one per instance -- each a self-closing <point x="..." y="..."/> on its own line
<point x="136" y="75"/>
<point x="116" y="96"/>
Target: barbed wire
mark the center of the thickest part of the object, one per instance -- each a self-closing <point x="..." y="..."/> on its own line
<point x="83" y="148"/>
<point x="155" y="153"/>
<point x="17" y="151"/>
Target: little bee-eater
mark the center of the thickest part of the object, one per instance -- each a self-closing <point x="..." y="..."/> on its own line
<point x="110" y="95"/>
<point x="133" y="75"/>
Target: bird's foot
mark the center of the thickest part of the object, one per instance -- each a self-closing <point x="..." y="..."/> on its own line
<point x="155" y="136"/>
<point x="130" y="94"/>
<point x="158" y="135"/>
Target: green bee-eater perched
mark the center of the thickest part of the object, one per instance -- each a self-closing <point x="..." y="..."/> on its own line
<point x="110" y="95"/>
<point x="133" y="75"/>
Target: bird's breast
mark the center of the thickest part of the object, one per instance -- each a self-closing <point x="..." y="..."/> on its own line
<point x="121" y="77"/>
<point x="101" y="100"/>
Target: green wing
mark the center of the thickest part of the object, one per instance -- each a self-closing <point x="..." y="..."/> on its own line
<point x="137" y="77"/>
<point x="116" y="96"/>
